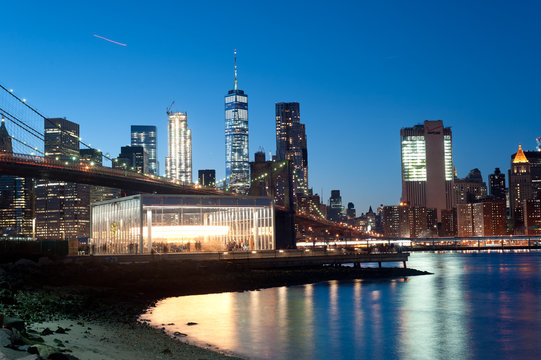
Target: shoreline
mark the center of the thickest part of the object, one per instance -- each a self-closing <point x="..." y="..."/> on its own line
<point x="111" y="297"/>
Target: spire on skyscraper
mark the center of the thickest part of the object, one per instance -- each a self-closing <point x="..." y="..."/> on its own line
<point x="235" y="52"/>
<point x="520" y="157"/>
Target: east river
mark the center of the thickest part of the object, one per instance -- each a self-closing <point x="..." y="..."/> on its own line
<point x="475" y="306"/>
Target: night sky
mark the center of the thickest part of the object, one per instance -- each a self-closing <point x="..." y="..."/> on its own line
<point x="360" y="71"/>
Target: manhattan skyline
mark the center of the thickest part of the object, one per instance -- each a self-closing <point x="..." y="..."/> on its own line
<point x="358" y="80"/>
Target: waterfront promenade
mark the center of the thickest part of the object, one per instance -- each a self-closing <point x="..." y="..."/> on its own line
<point x="267" y="259"/>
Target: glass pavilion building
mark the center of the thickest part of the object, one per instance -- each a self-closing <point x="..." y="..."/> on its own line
<point x="237" y="162"/>
<point x="148" y="223"/>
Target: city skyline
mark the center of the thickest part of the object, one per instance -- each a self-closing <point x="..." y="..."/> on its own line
<point x="383" y="86"/>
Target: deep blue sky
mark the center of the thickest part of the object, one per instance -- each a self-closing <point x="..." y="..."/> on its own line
<point x="360" y="70"/>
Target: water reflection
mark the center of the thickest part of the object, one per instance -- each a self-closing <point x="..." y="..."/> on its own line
<point x="475" y="306"/>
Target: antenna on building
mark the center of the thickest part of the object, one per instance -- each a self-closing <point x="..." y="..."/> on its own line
<point x="235" y="52"/>
<point x="538" y="143"/>
<point x="168" y="110"/>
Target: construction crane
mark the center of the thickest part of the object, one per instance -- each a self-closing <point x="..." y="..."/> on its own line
<point x="168" y="110"/>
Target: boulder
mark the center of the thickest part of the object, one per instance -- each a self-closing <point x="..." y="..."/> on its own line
<point x="5" y="337"/>
<point x="42" y="350"/>
<point x="25" y="262"/>
<point x="14" y="323"/>
<point x="46" y="332"/>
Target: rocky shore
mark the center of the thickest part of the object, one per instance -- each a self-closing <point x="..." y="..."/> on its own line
<point x="89" y="310"/>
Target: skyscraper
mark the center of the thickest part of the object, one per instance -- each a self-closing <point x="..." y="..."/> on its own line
<point x="237" y="162"/>
<point x="132" y="158"/>
<point x="16" y="197"/>
<point x="178" y="163"/>
<point x="207" y="177"/>
<point x="335" y="211"/>
<point x="520" y="188"/>
<point x="427" y="166"/>
<point x="497" y="184"/>
<point x="470" y="189"/>
<point x="62" y="208"/>
<point x="146" y="136"/>
<point x="291" y="144"/>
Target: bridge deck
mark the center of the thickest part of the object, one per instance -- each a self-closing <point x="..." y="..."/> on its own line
<point x="262" y="259"/>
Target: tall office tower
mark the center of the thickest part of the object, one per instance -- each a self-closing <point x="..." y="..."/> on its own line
<point x="291" y="144"/>
<point x="335" y="211"/>
<point x="207" y="177"/>
<point x="178" y="163"/>
<point x="427" y="166"/>
<point x="470" y="189"/>
<point x="62" y="208"/>
<point x="237" y="162"/>
<point x="534" y="157"/>
<point x="497" y="184"/>
<point x="16" y="197"/>
<point x="520" y="188"/>
<point x="145" y="136"/>
<point x="132" y="158"/>
<point x="350" y="212"/>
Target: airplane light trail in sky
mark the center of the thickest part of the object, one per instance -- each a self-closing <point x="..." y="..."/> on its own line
<point x="114" y="42"/>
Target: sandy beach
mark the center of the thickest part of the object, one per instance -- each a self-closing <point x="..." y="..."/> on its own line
<point x="107" y="341"/>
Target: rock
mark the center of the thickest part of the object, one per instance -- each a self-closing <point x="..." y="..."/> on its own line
<point x="191" y="323"/>
<point x="25" y="262"/>
<point x="16" y="338"/>
<point x="43" y="350"/>
<point x="61" y="330"/>
<point x="5" y="337"/>
<point x="178" y="333"/>
<point x="46" y="331"/>
<point x="166" y="351"/>
<point x="14" y="323"/>
<point x="59" y="343"/>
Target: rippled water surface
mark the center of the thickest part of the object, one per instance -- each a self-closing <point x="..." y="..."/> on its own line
<point x="475" y="306"/>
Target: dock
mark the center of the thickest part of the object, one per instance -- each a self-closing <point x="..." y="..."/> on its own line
<point x="267" y="259"/>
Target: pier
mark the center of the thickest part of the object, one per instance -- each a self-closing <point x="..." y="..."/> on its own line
<point x="267" y="259"/>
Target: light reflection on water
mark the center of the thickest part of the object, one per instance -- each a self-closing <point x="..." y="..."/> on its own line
<point x="475" y="306"/>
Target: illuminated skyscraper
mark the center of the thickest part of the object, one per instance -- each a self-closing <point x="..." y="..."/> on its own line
<point x="145" y="136"/>
<point x="497" y="184"/>
<point x="178" y="163"/>
<point x="237" y="165"/>
<point x="427" y="166"/>
<point x="62" y="208"/>
<point x="291" y="144"/>
<point x="16" y="197"/>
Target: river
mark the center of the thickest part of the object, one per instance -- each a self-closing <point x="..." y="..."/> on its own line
<point x="475" y="306"/>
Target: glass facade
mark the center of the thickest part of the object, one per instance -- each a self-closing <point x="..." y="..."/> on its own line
<point x="237" y="165"/>
<point x="448" y="153"/>
<point x="178" y="163"/>
<point x="180" y="223"/>
<point x="291" y="144"/>
<point x="145" y="136"/>
<point x="414" y="158"/>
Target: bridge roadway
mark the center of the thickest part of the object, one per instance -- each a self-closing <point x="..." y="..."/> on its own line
<point x="266" y="259"/>
<point x="47" y="168"/>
